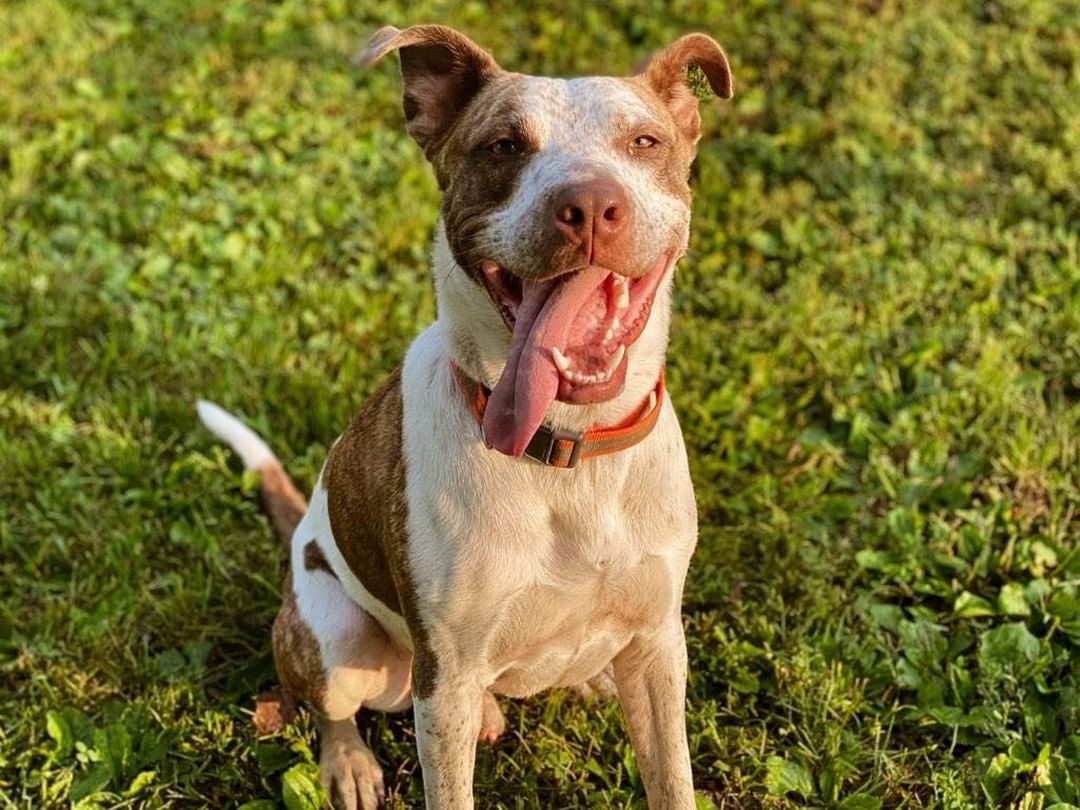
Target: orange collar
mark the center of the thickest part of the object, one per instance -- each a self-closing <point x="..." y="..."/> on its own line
<point x="565" y="448"/>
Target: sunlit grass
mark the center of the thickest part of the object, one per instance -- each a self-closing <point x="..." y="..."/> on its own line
<point x="875" y="356"/>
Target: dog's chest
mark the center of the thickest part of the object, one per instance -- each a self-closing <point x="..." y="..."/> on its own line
<point x="577" y="605"/>
<point x="563" y="633"/>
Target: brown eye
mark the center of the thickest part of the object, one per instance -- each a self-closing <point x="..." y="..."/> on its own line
<point x="504" y="147"/>
<point x="644" y="142"/>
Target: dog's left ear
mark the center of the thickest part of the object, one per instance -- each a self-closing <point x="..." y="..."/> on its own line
<point x="665" y="73"/>
<point x="441" y="70"/>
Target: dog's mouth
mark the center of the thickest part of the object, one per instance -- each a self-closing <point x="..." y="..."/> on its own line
<point x="569" y="336"/>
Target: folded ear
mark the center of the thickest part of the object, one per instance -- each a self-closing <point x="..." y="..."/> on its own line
<point x="666" y="73"/>
<point x="441" y="69"/>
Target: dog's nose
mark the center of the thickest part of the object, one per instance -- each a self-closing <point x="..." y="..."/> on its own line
<point x="592" y="213"/>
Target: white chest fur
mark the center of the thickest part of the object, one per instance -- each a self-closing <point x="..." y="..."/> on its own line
<point x="539" y="575"/>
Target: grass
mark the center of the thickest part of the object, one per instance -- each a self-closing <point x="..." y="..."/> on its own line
<point x="876" y="356"/>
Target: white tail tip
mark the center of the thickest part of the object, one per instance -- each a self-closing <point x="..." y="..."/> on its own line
<point x="253" y="451"/>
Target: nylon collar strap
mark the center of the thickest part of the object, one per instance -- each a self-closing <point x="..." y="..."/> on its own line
<point x="564" y="448"/>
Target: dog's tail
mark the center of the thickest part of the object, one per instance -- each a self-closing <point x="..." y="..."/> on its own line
<point x="281" y="499"/>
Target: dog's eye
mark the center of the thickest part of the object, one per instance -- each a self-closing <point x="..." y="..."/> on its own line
<point x="644" y="142"/>
<point x="505" y="146"/>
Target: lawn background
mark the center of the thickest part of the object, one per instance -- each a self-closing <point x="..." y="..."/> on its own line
<point x="875" y="355"/>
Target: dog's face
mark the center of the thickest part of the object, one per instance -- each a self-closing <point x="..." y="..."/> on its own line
<point x="565" y="201"/>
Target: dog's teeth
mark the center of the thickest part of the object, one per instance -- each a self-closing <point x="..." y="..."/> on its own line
<point x="622" y="293"/>
<point x="561" y="362"/>
<point x="616" y="324"/>
<point x="652" y="402"/>
<point x="609" y="334"/>
<point x="615" y="359"/>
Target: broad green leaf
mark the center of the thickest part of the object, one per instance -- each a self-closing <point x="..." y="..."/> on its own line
<point x="968" y="605"/>
<point x="113" y="743"/>
<point x="1065" y="604"/>
<point x="1061" y="783"/>
<point x="142" y="781"/>
<point x="1043" y="558"/>
<point x="744" y="682"/>
<point x="59" y="729"/>
<point x="785" y="776"/>
<point x="886" y="615"/>
<point x="300" y="788"/>
<point x="91" y="782"/>
<point x="1012" y="602"/>
<point x="272" y="758"/>
<point x="998" y="772"/>
<point x="1008" y="645"/>
<point x="924" y="645"/>
<point x="873" y="560"/>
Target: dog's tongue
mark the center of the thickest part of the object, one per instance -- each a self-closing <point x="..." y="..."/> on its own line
<point x="530" y="381"/>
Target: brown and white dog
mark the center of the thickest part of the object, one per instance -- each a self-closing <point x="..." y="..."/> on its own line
<point x="448" y="553"/>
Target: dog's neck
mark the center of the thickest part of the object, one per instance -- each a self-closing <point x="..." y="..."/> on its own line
<point x="478" y="341"/>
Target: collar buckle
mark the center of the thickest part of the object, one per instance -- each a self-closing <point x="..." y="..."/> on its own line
<point x="565" y="448"/>
<point x="545" y="448"/>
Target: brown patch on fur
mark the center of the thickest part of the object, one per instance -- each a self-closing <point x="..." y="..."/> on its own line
<point x="474" y="181"/>
<point x="296" y="652"/>
<point x="281" y="500"/>
<point x="315" y="560"/>
<point x="365" y="487"/>
<point x="441" y="69"/>
<point x="445" y="75"/>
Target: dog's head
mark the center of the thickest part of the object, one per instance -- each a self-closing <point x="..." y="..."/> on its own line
<point x="565" y="206"/>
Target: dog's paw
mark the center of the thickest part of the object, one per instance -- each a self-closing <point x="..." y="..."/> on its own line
<point x="600" y="686"/>
<point x="492" y="724"/>
<point x="352" y="776"/>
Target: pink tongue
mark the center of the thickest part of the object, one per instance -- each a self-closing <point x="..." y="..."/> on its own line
<point x="530" y="381"/>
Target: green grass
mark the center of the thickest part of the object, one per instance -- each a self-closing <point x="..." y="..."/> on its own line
<point x="876" y="356"/>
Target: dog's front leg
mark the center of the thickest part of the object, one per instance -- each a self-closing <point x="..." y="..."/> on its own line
<point x="447" y="724"/>
<point x="650" y="675"/>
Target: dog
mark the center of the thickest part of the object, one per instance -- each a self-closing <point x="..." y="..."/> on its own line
<point x="512" y="510"/>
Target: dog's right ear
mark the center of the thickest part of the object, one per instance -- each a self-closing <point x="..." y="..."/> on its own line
<point x="441" y="70"/>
